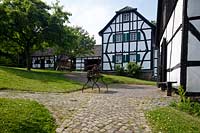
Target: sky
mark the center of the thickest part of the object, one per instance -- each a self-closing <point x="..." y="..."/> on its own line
<point x="93" y="15"/>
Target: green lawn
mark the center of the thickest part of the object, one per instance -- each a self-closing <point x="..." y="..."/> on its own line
<point x="111" y="79"/>
<point x="24" y="116"/>
<point x="36" y="80"/>
<point x="170" y="120"/>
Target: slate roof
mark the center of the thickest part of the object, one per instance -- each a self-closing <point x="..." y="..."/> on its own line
<point x="126" y="9"/>
<point x="50" y="52"/>
<point x="97" y="50"/>
<point x="45" y="52"/>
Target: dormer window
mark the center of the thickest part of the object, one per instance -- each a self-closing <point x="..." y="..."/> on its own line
<point x="126" y="17"/>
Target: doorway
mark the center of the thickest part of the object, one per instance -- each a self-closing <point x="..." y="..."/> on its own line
<point x="42" y="65"/>
<point x="90" y="62"/>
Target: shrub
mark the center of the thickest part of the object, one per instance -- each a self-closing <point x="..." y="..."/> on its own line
<point x="5" y="61"/>
<point x="119" y="70"/>
<point x="181" y="93"/>
<point x="195" y="108"/>
<point x="185" y="103"/>
<point x="133" y="69"/>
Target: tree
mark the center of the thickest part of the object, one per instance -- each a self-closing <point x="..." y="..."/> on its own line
<point x="56" y="32"/>
<point x="29" y="24"/>
<point x="153" y="22"/>
<point x="76" y="42"/>
<point x="83" y="44"/>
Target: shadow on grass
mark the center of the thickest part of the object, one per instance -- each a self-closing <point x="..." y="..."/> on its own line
<point x="41" y="75"/>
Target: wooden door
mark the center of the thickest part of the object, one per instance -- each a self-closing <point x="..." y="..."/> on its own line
<point x="163" y="64"/>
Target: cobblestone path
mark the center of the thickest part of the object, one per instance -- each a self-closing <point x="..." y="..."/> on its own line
<point x="121" y="110"/>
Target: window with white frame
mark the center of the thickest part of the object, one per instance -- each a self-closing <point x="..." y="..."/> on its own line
<point x="48" y="62"/>
<point x="132" y="58"/>
<point x="135" y="36"/>
<point x="117" y="38"/>
<point x="126" y="17"/>
<point x="118" y="59"/>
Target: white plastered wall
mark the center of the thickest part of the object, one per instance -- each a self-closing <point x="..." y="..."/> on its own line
<point x="33" y="63"/>
<point x="193" y="8"/>
<point x="174" y="47"/>
<point x="79" y="64"/>
<point x="45" y="61"/>
<point x="193" y="43"/>
<point x="193" y="48"/>
<point x="193" y="73"/>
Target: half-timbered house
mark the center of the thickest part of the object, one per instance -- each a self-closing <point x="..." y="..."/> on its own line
<point x="47" y="59"/>
<point x="178" y="39"/>
<point x="43" y="59"/>
<point x="129" y="37"/>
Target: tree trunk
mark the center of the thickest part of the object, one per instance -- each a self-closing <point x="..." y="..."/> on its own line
<point x="74" y="61"/>
<point x="18" y="60"/>
<point x="28" y="58"/>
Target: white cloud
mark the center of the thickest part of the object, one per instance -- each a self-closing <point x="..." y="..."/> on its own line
<point x="89" y="15"/>
<point x="92" y="20"/>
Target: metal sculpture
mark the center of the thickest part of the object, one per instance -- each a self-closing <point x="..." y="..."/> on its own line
<point x="94" y="76"/>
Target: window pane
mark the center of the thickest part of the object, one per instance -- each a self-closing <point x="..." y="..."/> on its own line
<point x="126" y="17"/>
<point x="132" y="58"/>
<point x="126" y="37"/>
<point x="118" y="58"/>
<point x="118" y="37"/>
<point x="135" y="36"/>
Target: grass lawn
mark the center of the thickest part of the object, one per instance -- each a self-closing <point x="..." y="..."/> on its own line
<point x="111" y="79"/>
<point x="36" y="80"/>
<point x="24" y="116"/>
<point x="170" y="120"/>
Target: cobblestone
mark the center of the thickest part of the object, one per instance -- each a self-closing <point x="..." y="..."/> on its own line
<point x="119" y="110"/>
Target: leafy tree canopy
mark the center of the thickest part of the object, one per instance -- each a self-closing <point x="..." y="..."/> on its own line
<point x="29" y="24"/>
<point x="77" y="42"/>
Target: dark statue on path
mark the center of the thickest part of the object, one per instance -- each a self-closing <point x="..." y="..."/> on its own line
<point x="94" y="75"/>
